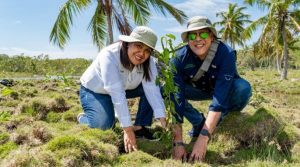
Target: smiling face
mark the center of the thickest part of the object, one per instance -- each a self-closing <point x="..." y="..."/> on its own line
<point x="200" y="42"/>
<point x="138" y="52"/>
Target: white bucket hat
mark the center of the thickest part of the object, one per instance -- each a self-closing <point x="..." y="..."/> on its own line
<point x="141" y="34"/>
<point x="198" y="23"/>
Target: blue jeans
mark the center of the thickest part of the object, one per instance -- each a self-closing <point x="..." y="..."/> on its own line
<point x="239" y="95"/>
<point x="99" y="111"/>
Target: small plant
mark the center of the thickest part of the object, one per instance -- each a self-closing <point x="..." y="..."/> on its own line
<point x="165" y="78"/>
<point x="65" y="81"/>
<point x="257" y="98"/>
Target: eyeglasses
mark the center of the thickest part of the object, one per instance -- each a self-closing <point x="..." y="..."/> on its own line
<point x="144" y="47"/>
<point x="193" y="35"/>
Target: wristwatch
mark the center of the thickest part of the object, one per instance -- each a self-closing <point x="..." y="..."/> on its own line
<point x="205" y="132"/>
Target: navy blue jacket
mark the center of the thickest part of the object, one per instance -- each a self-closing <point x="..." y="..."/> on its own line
<point x="217" y="80"/>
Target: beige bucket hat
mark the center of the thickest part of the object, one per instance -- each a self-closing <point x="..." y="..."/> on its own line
<point x="198" y="23"/>
<point x="141" y="34"/>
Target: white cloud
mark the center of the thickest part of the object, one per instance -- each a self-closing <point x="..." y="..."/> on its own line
<point x="207" y="8"/>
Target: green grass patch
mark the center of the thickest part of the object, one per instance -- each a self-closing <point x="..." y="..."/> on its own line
<point x="66" y="142"/>
<point x="137" y="158"/>
<point x="4" y="116"/>
<point x="4" y="137"/>
<point x="107" y="136"/>
<point x="6" y="148"/>
<point x="53" y="117"/>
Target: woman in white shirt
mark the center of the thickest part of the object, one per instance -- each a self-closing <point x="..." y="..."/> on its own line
<point x="122" y="70"/>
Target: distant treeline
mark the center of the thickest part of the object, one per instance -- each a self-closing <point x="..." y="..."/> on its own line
<point x="253" y="57"/>
<point x="42" y="65"/>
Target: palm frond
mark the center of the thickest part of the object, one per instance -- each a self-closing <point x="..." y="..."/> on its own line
<point x="98" y="26"/>
<point x="121" y="21"/>
<point x="253" y="26"/>
<point x="60" y="32"/>
<point x="296" y="22"/>
<point x="163" y="6"/>
<point x="262" y="4"/>
<point x="139" y="11"/>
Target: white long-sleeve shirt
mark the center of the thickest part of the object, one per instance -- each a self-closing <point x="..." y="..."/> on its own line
<point x="106" y="75"/>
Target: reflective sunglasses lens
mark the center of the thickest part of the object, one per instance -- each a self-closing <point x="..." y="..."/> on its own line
<point x="192" y="36"/>
<point x="204" y="35"/>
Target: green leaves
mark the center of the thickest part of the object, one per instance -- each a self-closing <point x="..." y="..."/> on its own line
<point x="61" y="30"/>
<point x="139" y="10"/>
<point x="232" y="22"/>
<point x="108" y="13"/>
<point x="97" y="26"/>
<point x="166" y="75"/>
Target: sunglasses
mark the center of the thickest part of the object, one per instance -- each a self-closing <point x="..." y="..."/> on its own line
<point x="203" y="35"/>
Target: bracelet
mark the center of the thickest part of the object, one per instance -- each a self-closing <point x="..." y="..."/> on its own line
<point x="180" y="143"/>
<point x="205" y="132"/>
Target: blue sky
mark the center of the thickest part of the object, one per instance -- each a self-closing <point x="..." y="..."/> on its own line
<point x="25" y="25"/>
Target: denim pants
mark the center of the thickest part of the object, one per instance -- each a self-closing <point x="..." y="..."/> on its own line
<point x="99" y="110"/>
<point x="239" y="95"/>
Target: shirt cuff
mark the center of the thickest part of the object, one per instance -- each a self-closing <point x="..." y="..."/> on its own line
<point x="216" y="109"/>
<point x="125" y="122"/>
<point x="159" y="113"/>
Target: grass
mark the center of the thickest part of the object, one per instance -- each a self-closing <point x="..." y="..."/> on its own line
<point x="38" y="128"/>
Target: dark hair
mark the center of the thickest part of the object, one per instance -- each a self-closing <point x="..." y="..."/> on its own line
<point x="128" y="65"/>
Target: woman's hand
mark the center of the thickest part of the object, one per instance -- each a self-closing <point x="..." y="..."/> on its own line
<point x="179" y="153"/>
<point x="163" y="122"/>
<point x="129" y="139"/>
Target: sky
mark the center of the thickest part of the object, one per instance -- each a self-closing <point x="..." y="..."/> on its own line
<point x="25" y="26"/>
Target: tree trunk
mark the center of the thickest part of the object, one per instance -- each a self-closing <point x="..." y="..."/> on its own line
<point x="285" y="52"/>
<point x="108" y="11"/>
<point x="278" y="64"/>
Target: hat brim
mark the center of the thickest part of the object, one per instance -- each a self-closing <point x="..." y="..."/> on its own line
<point x="131" y="39"/>
<point x="184" y="33"/>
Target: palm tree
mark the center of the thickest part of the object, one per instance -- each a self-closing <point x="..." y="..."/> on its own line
<point x="282" y="14"/>
<point x="109" y="13"/>
<point x="232" y="22"/>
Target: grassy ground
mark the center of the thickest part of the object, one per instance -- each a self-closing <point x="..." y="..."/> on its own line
<point x="38" y="128"/>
